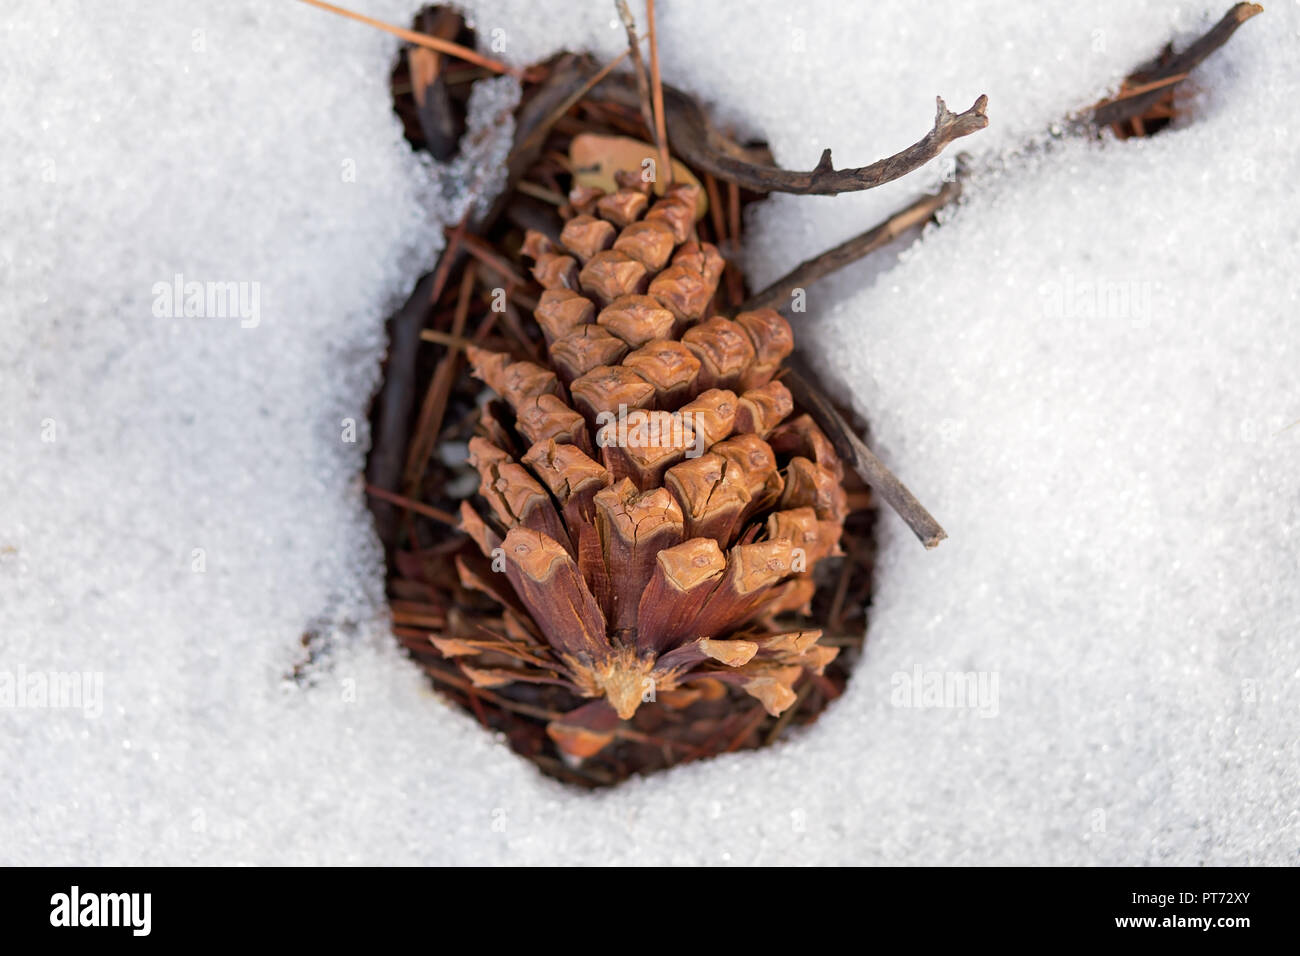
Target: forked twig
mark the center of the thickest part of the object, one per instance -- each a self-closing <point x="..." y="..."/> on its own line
<point x="695" y="140"/>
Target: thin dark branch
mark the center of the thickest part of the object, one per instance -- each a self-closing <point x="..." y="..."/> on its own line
<point x="1126" y="107"/>
<point x="871" y="469"/>
<point x="697" y="143"/>
<point x="777" y="295"/>
<point x="638" y="65"/>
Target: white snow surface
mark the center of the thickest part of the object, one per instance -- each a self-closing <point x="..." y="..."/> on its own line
<point x="1088" y="373"/>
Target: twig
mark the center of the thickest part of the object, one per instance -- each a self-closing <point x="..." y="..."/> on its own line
<point x="735" y="280"/>
<point x="728" y="243"/>
<point x="419" y="507"/>
<point x="657" y="95"/>
<point x="487" y="255"/>
<point x="777" y="295"/>
<point x="514" y="327"/>
<point x="842" y="640"/>
<point x="420" y="39"/>
<point x="1154" y="85"/>
<point x="429" y="424"/>
<point x="541" y="192"/>
<point x="1117" y="110"/>
<point x="468" y="74"/>
<point x="826" y="686"/>
<point x="396" y="399"/>
<point x="703" y="148"/>
<point x="444" y="338"/>
<point x="476" y="703"/>
<point x="733" y="210"/>
<point x="638" y="64"/>
<point x="570" y="77"/>
<point x="834" y="616"/>
<point x="460" y="683"/>
<point x="538" y="135"/>
<point x="716" y="213"/>
<point x="580" y="776"/>
<point x="871" y="469"/>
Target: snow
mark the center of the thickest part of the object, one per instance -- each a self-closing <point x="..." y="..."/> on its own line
<point x="1087" y="373"/>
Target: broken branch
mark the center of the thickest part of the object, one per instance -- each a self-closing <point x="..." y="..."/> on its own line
<point x="1137" y="101"/>
<point x="870" y="468"/>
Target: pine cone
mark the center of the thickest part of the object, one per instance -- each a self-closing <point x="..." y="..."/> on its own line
<point x="653" y="505"/>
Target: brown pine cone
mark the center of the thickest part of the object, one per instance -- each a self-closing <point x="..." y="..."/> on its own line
<point x="652" y="507"/>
